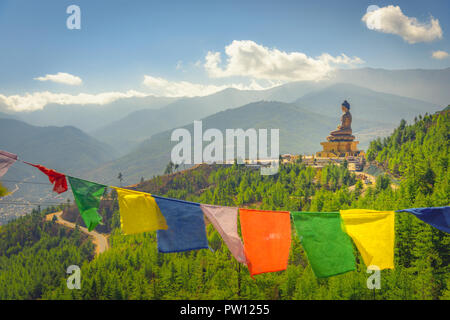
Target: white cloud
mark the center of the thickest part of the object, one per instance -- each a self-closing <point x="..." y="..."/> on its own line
<point x="249" y="59"/>
<point x="38" y="100"/>
<point x="263" y="67"/>
<point x="439" y="54"/>
<point x="62" y="77"/>
<point x="164" y="87"/>
<point x="157" y="87"/>
<point x="391" y="20"/>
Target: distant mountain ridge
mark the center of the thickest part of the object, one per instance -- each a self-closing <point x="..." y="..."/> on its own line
<point x="90" y="116"/>
<point x="366" y="104"/>
<point x="4" y="115"/>
<point x="303" y="125"/>
<point x="422" y="84"/>
<point x="151" y="156"/>
<point x="140" y="125"/>
<point x="128" y="121"/>
<point x="323" y="97"/>
<point x="62" y="148"/>
<point x="301" y="130"/>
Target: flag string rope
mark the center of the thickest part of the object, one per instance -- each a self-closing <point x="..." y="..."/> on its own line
<point x="114" y="187"/>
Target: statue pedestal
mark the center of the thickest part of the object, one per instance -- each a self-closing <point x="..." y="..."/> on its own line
<point x="333" y="149"/>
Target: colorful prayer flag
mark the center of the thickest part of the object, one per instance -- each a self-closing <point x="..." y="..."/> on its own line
<point x="186" y="226"/>
<point x="328" y="247"/>
<point x="373" y="233"/>
<point x="87" y="197"/>
<point x="438" y="217"/>
<point x="139" y="212"/>
<point x="57" y="179"/>
<point x="6" y="160"/>
<point x="224" y="219"/>
<point x="267" y="239"/>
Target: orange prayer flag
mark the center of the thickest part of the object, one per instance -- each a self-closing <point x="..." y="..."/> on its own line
<point x="267" y="239"/>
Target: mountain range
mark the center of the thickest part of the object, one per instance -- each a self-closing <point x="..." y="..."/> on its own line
<point x="87" y="117"/>
<point x="423" y="84"/>
<point x="366" y="104"/>
<point x="62" y="148"/>
<point x="126" y="122"/>
<point x="132" y="135"/>
<point x="303" y="125"/>
<point x="126" y="133"/>
<point x="140" y="125"/>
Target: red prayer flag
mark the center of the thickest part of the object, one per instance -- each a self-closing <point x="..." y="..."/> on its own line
<point x="57" y="179"/>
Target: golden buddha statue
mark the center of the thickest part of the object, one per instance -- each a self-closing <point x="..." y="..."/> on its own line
<point x="344" y="130"/>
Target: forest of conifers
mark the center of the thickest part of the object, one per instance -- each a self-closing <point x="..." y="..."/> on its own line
<point x="34" y="253"/>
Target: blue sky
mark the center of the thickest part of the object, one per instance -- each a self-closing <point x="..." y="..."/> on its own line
<point x="121" y="41"/>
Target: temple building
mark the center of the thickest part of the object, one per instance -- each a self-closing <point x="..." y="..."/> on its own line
<point x="341" y="143"/>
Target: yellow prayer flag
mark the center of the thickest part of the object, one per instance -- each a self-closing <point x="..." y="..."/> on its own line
<point x="139" y="212"/>
<point x="373" y="233"/>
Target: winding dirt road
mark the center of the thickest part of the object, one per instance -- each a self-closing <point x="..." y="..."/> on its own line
<point x="100" y="241"/>
<point x="373" y="181"/>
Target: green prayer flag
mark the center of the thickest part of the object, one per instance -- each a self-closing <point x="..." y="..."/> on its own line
<point x="87" y="197"/>
<point x="328" y="247"/>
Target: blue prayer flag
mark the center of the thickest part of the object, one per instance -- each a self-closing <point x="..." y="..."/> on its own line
<point x="438" y="217"/>
<point x="186" y="226"/>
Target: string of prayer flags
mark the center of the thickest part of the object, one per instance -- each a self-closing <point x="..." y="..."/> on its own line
<point x="328" y="248"/>
<point x="438" y="217"/>
<point x="373" y="233"/>
<point x="267" y="239"/>
<point x="57" y="179"/>
<point x="139" y="212"/>
<point x="186" y="226"/>
<point x="224" y="219"/>
<point x="6" y="160"/>
<point x="87" y="197"/>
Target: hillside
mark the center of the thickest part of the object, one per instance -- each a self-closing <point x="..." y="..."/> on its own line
<point x="61" y="148"/>
<point x="34" y="255"/>
<point x="418" y="153"/>
<point x="421" y="253"/>
<point x="137" y="271"/>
